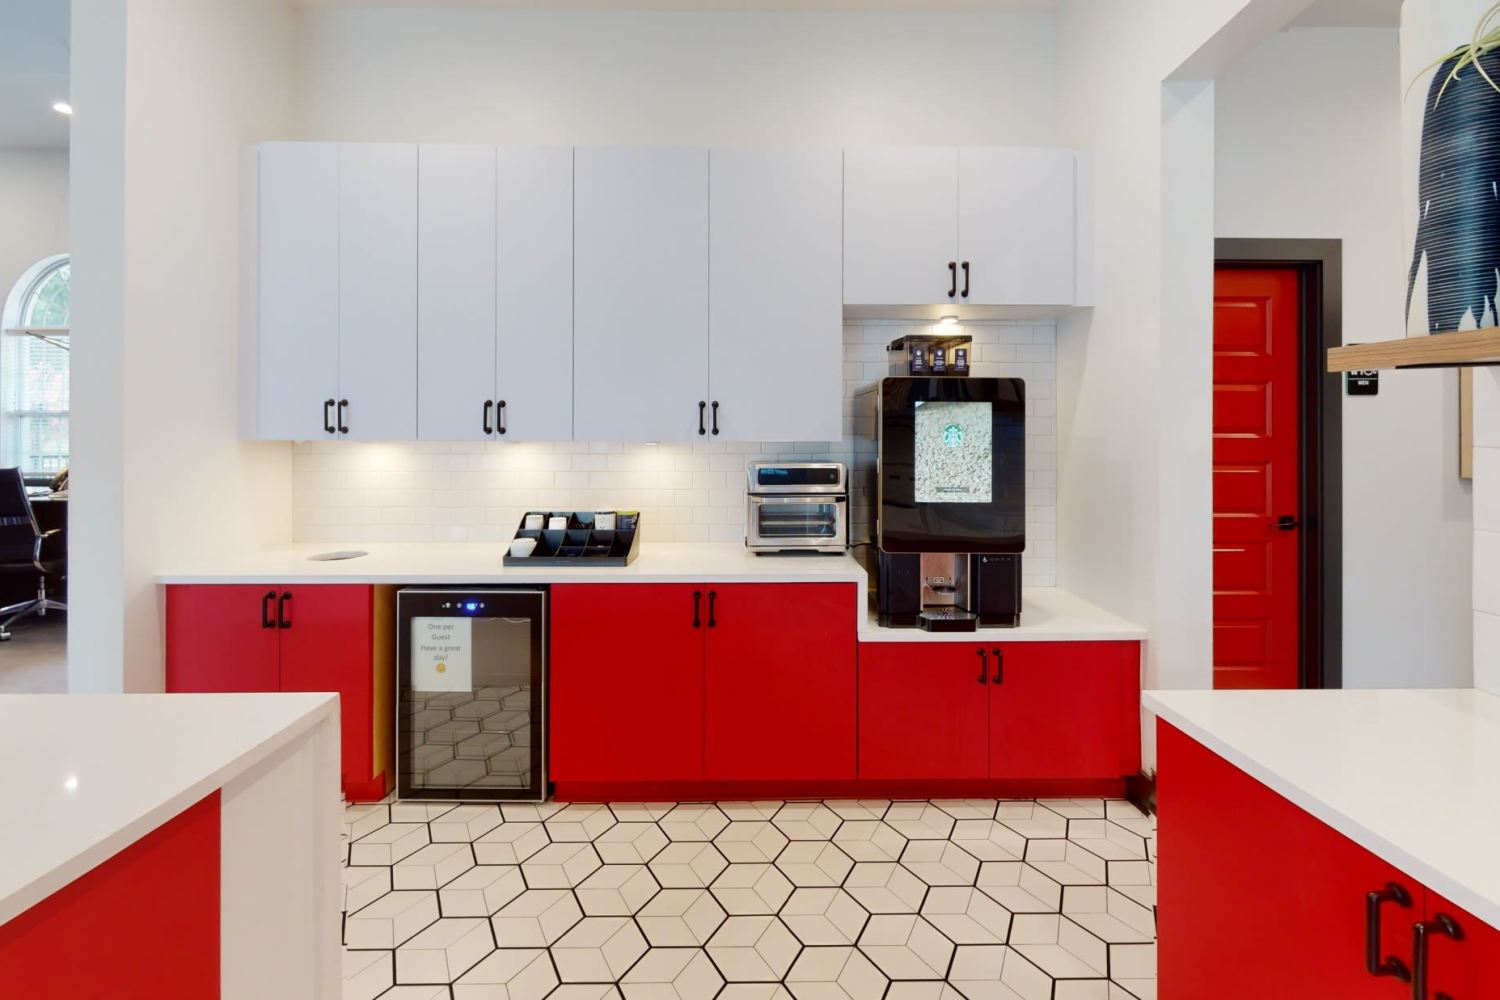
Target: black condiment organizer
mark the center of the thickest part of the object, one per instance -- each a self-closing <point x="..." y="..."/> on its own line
<point x="580" y="543"/>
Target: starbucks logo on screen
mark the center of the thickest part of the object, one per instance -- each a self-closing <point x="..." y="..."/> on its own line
<point x="953" y="436"/>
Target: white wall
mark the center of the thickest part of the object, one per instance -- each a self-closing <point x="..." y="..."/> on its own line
<point x="1487" y="529"/>
<point x="1309" y="145"/>
<point x="33" y="209"/>
<point x="477" y="491"/>
<point x="671" y="77"/>
<point x="167" y="92"/>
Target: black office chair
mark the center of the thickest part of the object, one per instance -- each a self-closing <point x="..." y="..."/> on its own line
<point x="21" y="544"/>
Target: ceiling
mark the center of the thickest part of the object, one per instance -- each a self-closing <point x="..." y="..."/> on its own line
<point x="33" y="72"/>
<point x="1351" y="14"/>
<point x="696" y="5"/>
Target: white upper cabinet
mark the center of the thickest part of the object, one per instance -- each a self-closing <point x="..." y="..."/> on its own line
<point x="775" y="310"/>
<point x="900" y="225"/>
<point x="296" y="295"/>
<point x="377" y="268"/>
<point x="640" y="301"/>
<point x="1016" y="226"/>
<point x="456" y="293"/>
<point x="534" y="305"/>
<point x="938" y="227"/>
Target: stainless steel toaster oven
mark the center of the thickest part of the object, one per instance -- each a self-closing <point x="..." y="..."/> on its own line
<point x="797" y="507"/>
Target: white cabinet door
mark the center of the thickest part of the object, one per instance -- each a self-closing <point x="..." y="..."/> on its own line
<point x="1016" y="226"/>
<point x="298" y="307"/>
<point x="534" y="311"/>
<point x="378" y="291"/>
<point x="776" y="348"/>
<point x="455" y="292"/>
<point x="640" y="300"/>
<point x="900" y="225"/>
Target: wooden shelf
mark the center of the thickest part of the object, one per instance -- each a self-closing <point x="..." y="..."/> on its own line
<point x="1443" y="350"/>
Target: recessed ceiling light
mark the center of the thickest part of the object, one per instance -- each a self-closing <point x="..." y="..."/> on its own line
<point x="63" y="108"/>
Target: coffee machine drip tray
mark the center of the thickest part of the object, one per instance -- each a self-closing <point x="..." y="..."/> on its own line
<point x="947" y="620"/>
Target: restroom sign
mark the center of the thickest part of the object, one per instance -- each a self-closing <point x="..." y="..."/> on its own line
<point x="442" y="654"/>
<point x="1362" y="383"/>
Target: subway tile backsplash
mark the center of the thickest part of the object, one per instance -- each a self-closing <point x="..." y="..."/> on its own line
<point x="350" y="492"/>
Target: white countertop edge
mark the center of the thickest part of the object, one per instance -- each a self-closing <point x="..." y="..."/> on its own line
<point x="155" y="815"/>
<point x="1429" y="874"/>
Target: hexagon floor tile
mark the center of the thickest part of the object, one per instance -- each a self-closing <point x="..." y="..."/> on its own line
<point x="952" y="899"/>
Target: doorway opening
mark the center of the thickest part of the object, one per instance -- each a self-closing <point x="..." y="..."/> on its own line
<point x="1277" y="459"/>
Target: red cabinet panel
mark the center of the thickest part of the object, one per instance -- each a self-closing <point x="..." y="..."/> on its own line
<point x="327" y="647"/>
<point x="779" y="682"/>
<point x="1467" y="968"/>
<point x="1260" y="899"/>
<point x="923" y="712"/>
<point x="216" y="640"/>
<point x="1064" y="709"/>
<point x="627" y="682"/>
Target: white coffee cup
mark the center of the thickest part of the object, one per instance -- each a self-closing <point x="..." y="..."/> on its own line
<point x="604" y="520"/>
<point x="522" y="547"/>
<point x="534" y="522"/>
<point x="557" y="523"/>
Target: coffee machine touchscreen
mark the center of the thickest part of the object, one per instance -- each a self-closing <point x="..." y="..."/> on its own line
<point x="954" y="451"/>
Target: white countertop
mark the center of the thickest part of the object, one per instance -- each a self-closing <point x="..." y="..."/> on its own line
<point x="85" y="775"/>
<point x="1047" y="614"/>
<point x="1411" y="776"/>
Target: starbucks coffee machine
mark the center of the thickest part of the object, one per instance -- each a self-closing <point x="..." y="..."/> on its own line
<point x="946" y="467"/>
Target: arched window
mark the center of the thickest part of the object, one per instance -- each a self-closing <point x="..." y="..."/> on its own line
<point x="34" y="370"/>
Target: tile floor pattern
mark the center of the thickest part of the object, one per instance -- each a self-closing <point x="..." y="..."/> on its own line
<point x="972" y="899"/>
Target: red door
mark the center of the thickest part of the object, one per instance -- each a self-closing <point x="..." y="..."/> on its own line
<point x="627" y="682"/>
<point x="1467" y="968"/>
<point x="1260" y="899"/>
<point x="779" y="682"/>
<point x="222" y="638"/>
<point x="1255" y="455"/>
<point x="923" y="710"/>
<point x="1065" y="710"/>
<point x="326" y="646"/>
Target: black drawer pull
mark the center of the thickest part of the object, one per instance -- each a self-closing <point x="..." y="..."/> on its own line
<point x="716" y="416"/>
<point x="999" y="666"/>
<point x="1440" y="924"/>
<point x="1374" y="965"/>
<point x="697" y="603"/>
<point x="265" y="610"/>
<point x="965" y="292"/>
<point x="282" y="621"/>
<point x="952" y="278"/>
<point x="489" y="405"/>
<point x="500" y="416"/>
<point x="713" y="595"/>
<point x="328" y="416"/>
<point x="984" y="667"/>
<point x="343" y="427"/>
<point x="701" y="407"/>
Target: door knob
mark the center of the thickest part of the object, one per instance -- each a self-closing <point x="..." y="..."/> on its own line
<point x="1286" y="522"/>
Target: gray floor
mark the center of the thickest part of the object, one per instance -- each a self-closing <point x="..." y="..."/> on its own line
<point x="35" y="659"/>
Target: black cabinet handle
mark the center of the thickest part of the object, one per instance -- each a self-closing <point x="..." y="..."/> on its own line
<point x="952" y="278"/>
<point x="713" y="595"/>
<point x="697" y="603"/>
<point x="343" y="427"/>
<point x="1374" y="965"/>
<point x="966" y="280"/>
<point x="328" y="416"/>
<point x="282" y="621"/>
<point x="984" y="667"/>
<point x="488" y="406"/>
<point x="500" y="416"/>
<point x="999" y="677"/>
<point x="716" y="416"/>
<point x="1440" y="924"/>
<point x="1286" y="522"/>
<point x="701" y="407"/>
<point x="265" y="610"/>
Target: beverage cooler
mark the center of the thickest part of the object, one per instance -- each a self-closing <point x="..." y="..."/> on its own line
<point x="471" y="694"/>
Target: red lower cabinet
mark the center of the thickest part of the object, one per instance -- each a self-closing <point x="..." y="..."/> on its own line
<point x="1065" y="709"/>
<point x="923" y="710"/>
<point x="1466" y="967"/>
<point x="231" y="638"/>
<point x="779" y="682"/>
<point x="1259" y="899"/>
<point x="627" y="682"/>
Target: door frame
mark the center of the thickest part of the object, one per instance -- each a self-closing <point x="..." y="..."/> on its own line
<point x="1319" y="266"/>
